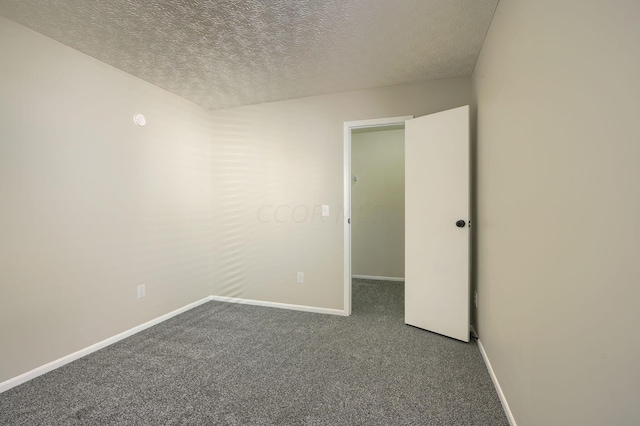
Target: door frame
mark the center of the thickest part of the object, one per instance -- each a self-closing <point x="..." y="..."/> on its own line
<point x="379" y="123"/>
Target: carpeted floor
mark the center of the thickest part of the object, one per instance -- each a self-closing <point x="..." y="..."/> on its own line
<point x="246" y="365"/>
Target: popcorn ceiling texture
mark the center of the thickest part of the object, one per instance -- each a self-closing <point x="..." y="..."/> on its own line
<point x="221" y="54"/>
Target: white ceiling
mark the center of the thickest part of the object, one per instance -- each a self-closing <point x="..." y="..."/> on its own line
<point x="225" y="53"/>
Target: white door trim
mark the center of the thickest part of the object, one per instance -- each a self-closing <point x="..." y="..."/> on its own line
<point x="348" y="127"/>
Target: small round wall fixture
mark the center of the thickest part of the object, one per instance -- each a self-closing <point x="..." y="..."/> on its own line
<point x="140" y="120"/>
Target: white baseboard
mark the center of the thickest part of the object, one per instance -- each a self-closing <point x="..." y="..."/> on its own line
<point x="279" y="305"/>
<point x="375" y="277"/>
<point x="25" y="377"/>
<point x="503" y="399"/>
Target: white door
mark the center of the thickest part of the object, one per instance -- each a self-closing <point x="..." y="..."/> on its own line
<point x="437" y="223"/>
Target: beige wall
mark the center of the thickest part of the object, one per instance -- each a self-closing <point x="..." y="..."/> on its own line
<point x="558" y="92"/>
<point x="274" y="165"/>
<point x="377" y="203"/>
<point x="91" y="205"/>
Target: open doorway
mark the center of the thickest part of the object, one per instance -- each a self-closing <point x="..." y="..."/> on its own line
<point x="377" y="203"/>
<point x="436" y="216"/>
<point x="378" y="250"/>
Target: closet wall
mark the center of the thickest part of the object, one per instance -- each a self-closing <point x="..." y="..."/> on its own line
<point x="377" y="201"/>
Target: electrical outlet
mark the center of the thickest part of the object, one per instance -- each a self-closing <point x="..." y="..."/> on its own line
<point x="300" y="277"/>
<point x="476" y="299"/>
<point x="141" y="291"/>
<point x="325" y="210"/>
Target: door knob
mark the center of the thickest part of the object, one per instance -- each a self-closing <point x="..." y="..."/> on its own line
<point x="460" y="223"/>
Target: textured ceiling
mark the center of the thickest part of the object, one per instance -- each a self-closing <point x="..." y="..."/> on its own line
<point x="221" y="54"/>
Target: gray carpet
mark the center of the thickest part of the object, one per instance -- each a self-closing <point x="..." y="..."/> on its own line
<point x="246" y="365"/>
